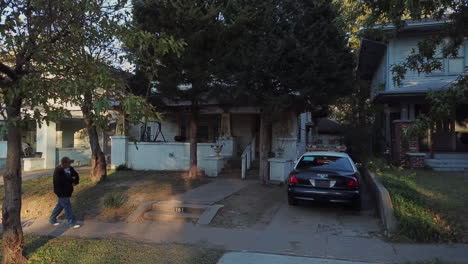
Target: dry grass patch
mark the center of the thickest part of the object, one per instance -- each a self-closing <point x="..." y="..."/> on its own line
<point x="91" y="201"/>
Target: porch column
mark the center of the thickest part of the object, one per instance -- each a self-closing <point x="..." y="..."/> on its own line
<point x="225" y="125"/>
<point x="119" y="150"/>
<point x="46" y="143"/>
<point x="387" y="126"/>
<point x="404" y="115"/>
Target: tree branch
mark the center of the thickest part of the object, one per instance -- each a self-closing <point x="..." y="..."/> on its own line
<point x="8" y="71"/>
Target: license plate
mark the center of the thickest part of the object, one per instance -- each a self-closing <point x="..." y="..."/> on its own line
<point x="322" y="183"/>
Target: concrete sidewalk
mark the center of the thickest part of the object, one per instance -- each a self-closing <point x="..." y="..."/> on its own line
<point x="215" y="191"/>
<point x="274" y="241"/>
<point x="260" y="258"/>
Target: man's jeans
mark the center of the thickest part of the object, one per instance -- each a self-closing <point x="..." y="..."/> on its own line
<point x="63" y="204"/>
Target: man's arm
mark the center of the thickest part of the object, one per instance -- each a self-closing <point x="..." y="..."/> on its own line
<point x="75" y="176"/>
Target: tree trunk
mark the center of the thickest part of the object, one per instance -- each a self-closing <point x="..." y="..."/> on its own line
<point x="265" y="147"/>
<point x="98" y="159"/>
<point x="13" y="240"/>
<point x="193" y="170"/>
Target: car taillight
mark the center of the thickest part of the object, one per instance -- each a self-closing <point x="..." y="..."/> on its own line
<point x="353" y="183"/>
<point x="292" y="179"/>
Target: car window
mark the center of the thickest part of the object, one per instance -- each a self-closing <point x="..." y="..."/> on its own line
<point x="325" y="163"/>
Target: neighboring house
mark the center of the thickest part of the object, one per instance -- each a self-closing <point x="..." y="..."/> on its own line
<point x="48" y="143"/>
<point x="403" y="104"/>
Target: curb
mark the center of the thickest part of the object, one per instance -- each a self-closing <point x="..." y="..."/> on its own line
<point x="384" y="202"/>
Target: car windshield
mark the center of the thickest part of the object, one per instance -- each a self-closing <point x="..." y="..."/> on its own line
<point x="325" y="163"/>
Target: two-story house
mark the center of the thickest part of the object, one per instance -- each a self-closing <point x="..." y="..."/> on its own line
<point x="405" y="102"/>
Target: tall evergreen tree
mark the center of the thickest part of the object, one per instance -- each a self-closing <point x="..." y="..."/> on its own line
<point x="286" y="55"/>
<point x="188" y="76"/>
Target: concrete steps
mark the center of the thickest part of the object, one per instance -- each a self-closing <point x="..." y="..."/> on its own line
<point x="179" y="211"/>
<point x="448" y="162"/>
<point x="160" y="216"/>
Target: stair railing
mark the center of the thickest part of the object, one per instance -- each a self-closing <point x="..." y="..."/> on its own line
<point x="248" y="156"/>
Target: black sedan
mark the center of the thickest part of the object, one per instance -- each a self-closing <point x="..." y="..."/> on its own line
<point x="324" y="176"/>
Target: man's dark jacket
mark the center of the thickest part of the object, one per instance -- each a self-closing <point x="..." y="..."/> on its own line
<point x="63" y="183"/>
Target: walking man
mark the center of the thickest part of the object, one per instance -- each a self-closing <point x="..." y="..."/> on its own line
<point x="65" y="177"/>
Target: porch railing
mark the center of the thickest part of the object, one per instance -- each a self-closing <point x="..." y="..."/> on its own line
<point x="248" y="156"/>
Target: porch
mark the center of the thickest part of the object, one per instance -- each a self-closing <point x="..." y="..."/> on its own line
<point x="43" y="145"/>
<point x="164" y="145"/>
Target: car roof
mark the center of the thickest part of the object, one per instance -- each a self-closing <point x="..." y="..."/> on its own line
<point x="326" y="153"/>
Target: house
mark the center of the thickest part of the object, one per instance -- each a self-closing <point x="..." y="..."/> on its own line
<point x="46" y="143"/>
<point x="404" y="103"/>
<point x="163" y="145"/>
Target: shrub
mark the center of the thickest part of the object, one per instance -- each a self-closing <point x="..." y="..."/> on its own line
<point x="114" y="200"/>
<point x="122" y="167"/>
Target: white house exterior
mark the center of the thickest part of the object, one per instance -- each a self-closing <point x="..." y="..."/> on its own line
<point x="49" y="142"/>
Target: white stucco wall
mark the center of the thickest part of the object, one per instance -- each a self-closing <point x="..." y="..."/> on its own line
<point x="3" y="149"/>
<point x="81" y="156"/>
<point x="284" y="135"/>
<point x="171" y="156"/>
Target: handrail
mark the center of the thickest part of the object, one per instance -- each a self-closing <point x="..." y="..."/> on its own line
<point x="248" y="155"/>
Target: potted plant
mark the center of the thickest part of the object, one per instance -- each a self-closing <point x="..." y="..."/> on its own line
<point x="217" y="148"/>
<point x="279" y="152"/>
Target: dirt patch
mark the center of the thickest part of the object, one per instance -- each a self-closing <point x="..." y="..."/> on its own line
<point x="87" y="200"/>
<point x="253" y="206"/>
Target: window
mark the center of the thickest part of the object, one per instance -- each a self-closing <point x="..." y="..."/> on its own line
<point x="325" y="163"/>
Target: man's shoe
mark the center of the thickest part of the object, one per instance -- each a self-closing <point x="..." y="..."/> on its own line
<point x="56" y="223"/>
<point x="76" y="226"/>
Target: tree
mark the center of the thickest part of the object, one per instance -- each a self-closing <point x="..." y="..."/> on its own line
<point x="32" y="34"/>
<point x="189" y="75"/>
<point x="52" y="52"/>
<point x="286" y="56"/>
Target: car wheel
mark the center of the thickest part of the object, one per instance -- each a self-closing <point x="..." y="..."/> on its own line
<point x="292" y="201"/>
<point x="356" y="205"/>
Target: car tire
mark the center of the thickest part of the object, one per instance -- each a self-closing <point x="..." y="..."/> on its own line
<point x="292" y="201"/>
<point x="356" y="205"/>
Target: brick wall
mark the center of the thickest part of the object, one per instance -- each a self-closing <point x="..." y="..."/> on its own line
<point x="414" y="162"/>
<point x="402" y="145"/>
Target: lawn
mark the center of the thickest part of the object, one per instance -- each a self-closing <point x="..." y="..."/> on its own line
<point x="430" y="206"/>
<point x="91" y="201"/>
<point x="63" y="250"/>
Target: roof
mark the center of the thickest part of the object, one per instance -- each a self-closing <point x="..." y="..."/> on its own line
<point x="414" y="93"/>
<point x="327" y="153"/>
<point x="328" y="125"/>
<point x="423" y="25"/>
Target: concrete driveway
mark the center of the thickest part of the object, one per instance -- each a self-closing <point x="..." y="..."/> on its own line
<point x="328" y="219"/>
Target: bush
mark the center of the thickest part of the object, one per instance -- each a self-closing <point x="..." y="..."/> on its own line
<point x="122" y="167"/>
<point x="114" y="200"/>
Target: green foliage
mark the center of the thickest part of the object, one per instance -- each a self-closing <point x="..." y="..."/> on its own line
<point x="286" y="54"/>
<point x="192" y="63"/>
<point x="122" y="167"/>
<point x="444" y="104"/>
<point x="113" y="200"/>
